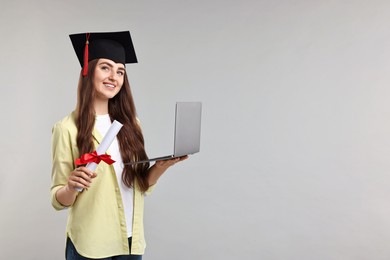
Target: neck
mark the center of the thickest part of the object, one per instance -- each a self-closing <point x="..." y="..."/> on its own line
<point x="101" y="107"/>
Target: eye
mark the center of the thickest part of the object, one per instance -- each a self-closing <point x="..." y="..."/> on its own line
<point x="106" y="68"/>
<point x="120" y="73"/>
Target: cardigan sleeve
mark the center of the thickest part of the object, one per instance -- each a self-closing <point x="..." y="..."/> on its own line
<point x="62" y="161"/>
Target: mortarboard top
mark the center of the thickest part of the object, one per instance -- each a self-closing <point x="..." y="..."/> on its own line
<point x="116" y="46"/>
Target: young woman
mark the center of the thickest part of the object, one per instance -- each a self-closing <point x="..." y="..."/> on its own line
<point x="105" y="219"/>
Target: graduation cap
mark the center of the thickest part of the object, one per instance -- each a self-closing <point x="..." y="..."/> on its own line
<point x="116" y="46"/>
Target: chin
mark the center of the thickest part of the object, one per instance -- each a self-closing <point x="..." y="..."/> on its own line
<point x="111" y="95"/>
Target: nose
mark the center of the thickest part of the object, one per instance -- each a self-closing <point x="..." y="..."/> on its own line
<point x="113" y="75"/>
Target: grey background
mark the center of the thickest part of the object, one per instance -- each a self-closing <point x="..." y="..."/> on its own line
<point x="294" y="161"/>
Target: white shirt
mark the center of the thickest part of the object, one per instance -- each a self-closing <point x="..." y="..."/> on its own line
<point x="102" y="124"/>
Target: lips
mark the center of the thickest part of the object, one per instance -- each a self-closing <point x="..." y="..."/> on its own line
<point x="109" y="85"/>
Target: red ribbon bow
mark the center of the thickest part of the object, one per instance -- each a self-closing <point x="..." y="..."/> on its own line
<point x="94" y="157"/>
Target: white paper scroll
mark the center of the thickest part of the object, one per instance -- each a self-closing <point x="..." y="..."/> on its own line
<point x="105" y="143"/>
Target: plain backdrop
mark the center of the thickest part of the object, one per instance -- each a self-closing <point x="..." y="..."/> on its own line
<point x="294" y="161"/>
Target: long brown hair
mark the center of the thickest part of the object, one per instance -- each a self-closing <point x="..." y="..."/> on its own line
<point x="120" y="108"/>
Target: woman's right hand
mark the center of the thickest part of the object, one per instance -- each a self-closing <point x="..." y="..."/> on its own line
<point x="81" y="178"/>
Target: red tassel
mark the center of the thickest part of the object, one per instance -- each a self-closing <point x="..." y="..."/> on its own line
<point x="86" y="54"/>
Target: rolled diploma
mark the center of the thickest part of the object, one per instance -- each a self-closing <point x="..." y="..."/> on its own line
<point x="105" y="143"/>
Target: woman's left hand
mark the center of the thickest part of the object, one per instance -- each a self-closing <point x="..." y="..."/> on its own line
<point x="160" y="167"/>
<point x="168" y="163"/>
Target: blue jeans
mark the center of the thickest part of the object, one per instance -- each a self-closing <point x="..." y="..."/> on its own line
<point x="71" y="254"/>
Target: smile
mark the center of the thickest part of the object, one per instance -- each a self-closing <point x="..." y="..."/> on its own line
<point x="109" y="85"/>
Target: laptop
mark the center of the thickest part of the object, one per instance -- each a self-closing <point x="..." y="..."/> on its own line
<point x="187" y="131"/>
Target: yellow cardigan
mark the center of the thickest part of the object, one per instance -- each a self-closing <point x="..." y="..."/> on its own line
<point x="96" y="221"/>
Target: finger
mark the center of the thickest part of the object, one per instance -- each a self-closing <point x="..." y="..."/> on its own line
<point x="87" y="171"/>
<point x="81" y="172"/>
<point x="185" y="157"/>
<point x="81" y="181"/>
<point x="168" y="163"/>
<point x="163" y="163"/>
<point x="77" y="185"/>
<point x="174" y="161"/>
<point x="84" y="175"/>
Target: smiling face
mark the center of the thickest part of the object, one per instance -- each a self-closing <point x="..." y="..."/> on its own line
<point x="108" y="79"/>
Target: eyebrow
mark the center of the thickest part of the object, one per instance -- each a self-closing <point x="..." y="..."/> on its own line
<point x="110" y="65"/>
